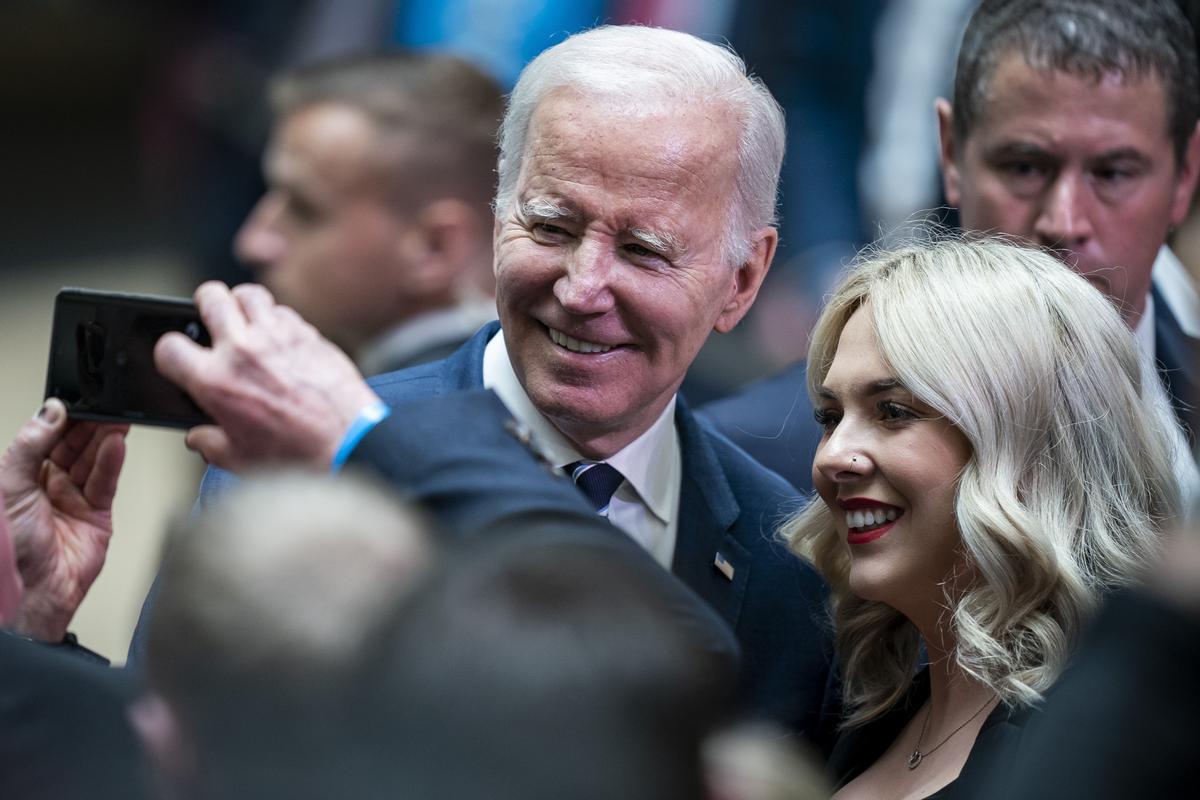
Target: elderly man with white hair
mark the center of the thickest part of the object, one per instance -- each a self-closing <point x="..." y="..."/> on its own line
<point x="634" y="216"/>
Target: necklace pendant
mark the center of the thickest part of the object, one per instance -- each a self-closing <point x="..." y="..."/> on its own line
<point x="914" y="760"/>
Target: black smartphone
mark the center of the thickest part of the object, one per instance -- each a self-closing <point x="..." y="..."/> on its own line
<point x="102" y="357"/>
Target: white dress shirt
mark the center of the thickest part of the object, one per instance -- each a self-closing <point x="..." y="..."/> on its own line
<point x="646" y="504"/>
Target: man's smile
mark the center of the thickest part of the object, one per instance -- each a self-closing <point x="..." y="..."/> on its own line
<point x="577" y="345"/>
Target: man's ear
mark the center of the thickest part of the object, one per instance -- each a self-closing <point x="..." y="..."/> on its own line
<point x="168" y="746"/>
<point x="1189" y="171"/>
<point x="440" y="246"/>
<point x="947" y="156"/>
<point x="747" y="279"/>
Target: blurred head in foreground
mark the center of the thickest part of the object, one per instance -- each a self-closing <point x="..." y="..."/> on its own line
<point x="254" y="648"/>
<point x="548" y="667"/>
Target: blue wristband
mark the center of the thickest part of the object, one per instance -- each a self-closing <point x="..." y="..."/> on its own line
<point x="366" y="420"/>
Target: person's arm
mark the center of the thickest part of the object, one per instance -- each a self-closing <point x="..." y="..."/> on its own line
<point x="58" y="480"/>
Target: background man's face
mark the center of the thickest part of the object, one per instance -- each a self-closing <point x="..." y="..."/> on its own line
<point x="1087" y="168"/>
<point x="609" y="263"/>
<point x="326" y="238"/>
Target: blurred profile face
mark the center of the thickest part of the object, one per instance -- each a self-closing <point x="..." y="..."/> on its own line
<point x="1085" y="167"/>
<point x="887" y="466"/>
<point x="325" y="238"/>
<point x="609" y="266"/>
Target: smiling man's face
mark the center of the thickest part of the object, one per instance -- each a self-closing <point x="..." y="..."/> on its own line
<point x="609" y="264"/>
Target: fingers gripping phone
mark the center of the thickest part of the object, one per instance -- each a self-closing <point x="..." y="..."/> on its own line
<point x="102" y="357"/>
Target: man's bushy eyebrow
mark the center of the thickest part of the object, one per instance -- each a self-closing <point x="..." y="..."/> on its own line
<point x="544" y="209"/>
<point x="658" y="240"/>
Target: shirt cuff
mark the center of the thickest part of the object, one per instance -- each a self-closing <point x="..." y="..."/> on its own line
<point x="366" y="420"/>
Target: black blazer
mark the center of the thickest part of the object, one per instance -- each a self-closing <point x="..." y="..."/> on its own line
<point x="63" y="728"/>
<point x="997" y="747"/>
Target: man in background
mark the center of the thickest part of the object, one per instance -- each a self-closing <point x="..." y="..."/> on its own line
<point x="1073" y="127"/>
<point x="376" y="224"/>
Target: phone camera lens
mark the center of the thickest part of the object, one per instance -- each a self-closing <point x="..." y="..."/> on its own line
<point x="192" y="329"/>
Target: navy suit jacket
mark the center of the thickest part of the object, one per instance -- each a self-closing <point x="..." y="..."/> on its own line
<point x="772" y="420"/>
<point x="1178" y="365"/>
<point x="729" y="505"/>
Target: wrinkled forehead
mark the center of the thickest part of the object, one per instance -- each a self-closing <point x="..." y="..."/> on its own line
<point x="696" y="143"/>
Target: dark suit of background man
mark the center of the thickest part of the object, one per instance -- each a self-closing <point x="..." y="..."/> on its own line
<point x="1074" y="127"/>
<point x="634" y="215"/>
<point x="376" y="225"/>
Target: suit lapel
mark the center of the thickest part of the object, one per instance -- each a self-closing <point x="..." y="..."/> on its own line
<point x="707" y="556"/>
<point x="464" y="369"/>
<point x="1176" y="355"/>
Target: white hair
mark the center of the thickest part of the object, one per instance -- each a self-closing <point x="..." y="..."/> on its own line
<point x="640" y="65"/>
<point x="1070" y="481"/>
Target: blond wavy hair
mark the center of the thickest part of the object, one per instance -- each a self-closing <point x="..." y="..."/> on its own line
<point x="1070" y="479"/>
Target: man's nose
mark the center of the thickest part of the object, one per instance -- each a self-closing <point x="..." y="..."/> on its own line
<point x="259" y="241"/>
<point x="585" y="287"/>
<point x="1063" y="220"/>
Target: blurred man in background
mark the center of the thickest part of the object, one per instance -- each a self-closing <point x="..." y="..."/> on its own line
<point x="255" y="647"/>
<point x="376" y="224"/>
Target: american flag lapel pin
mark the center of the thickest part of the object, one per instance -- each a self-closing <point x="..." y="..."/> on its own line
<point x="723" y="566"/>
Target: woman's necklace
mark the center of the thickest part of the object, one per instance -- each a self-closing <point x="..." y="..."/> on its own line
<point x="917" y="756"/>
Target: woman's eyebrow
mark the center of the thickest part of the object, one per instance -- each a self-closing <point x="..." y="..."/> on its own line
<point x="871" y="389"/>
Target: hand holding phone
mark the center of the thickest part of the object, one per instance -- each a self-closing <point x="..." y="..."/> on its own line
<point x="278" y="391"/>
<point x="102" y="357"/>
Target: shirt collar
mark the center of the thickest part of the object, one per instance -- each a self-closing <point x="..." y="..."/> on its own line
<point x="1177" y="290"/>
<point x="1144" y="332"/>
<point x="423" y="331"/>
<point x="650" y="464"/>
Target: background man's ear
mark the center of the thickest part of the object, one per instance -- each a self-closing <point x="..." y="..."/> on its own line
<point x="947" y="155"/>
<point x="439" y="248"/>
<point x="747" y="279"/>
<point x="1189" y="171"/>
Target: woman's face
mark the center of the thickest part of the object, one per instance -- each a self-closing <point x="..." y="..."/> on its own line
<point x="887" y="467"/>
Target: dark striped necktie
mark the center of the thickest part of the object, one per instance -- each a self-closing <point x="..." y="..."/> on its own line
<point x="596" y="480"/>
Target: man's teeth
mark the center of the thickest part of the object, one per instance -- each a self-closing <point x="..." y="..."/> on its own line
<point x="869" y="518"/>
<point x="576" y="345"/>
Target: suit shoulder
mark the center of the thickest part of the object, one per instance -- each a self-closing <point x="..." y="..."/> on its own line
<point x="748" y="478"/>
<point x="419" y="381"/>
<point x="763" y="399"/>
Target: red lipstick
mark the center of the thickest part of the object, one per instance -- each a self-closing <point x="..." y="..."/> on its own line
<point x="862" y="537"/>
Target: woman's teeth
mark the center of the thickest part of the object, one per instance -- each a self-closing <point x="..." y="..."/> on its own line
<point x="869" y="518"/>
<point x="577" y="345"/>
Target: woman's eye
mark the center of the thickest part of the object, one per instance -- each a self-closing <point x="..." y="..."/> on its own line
<point x="826" y="418"/>
<point x="894" y="412"/>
